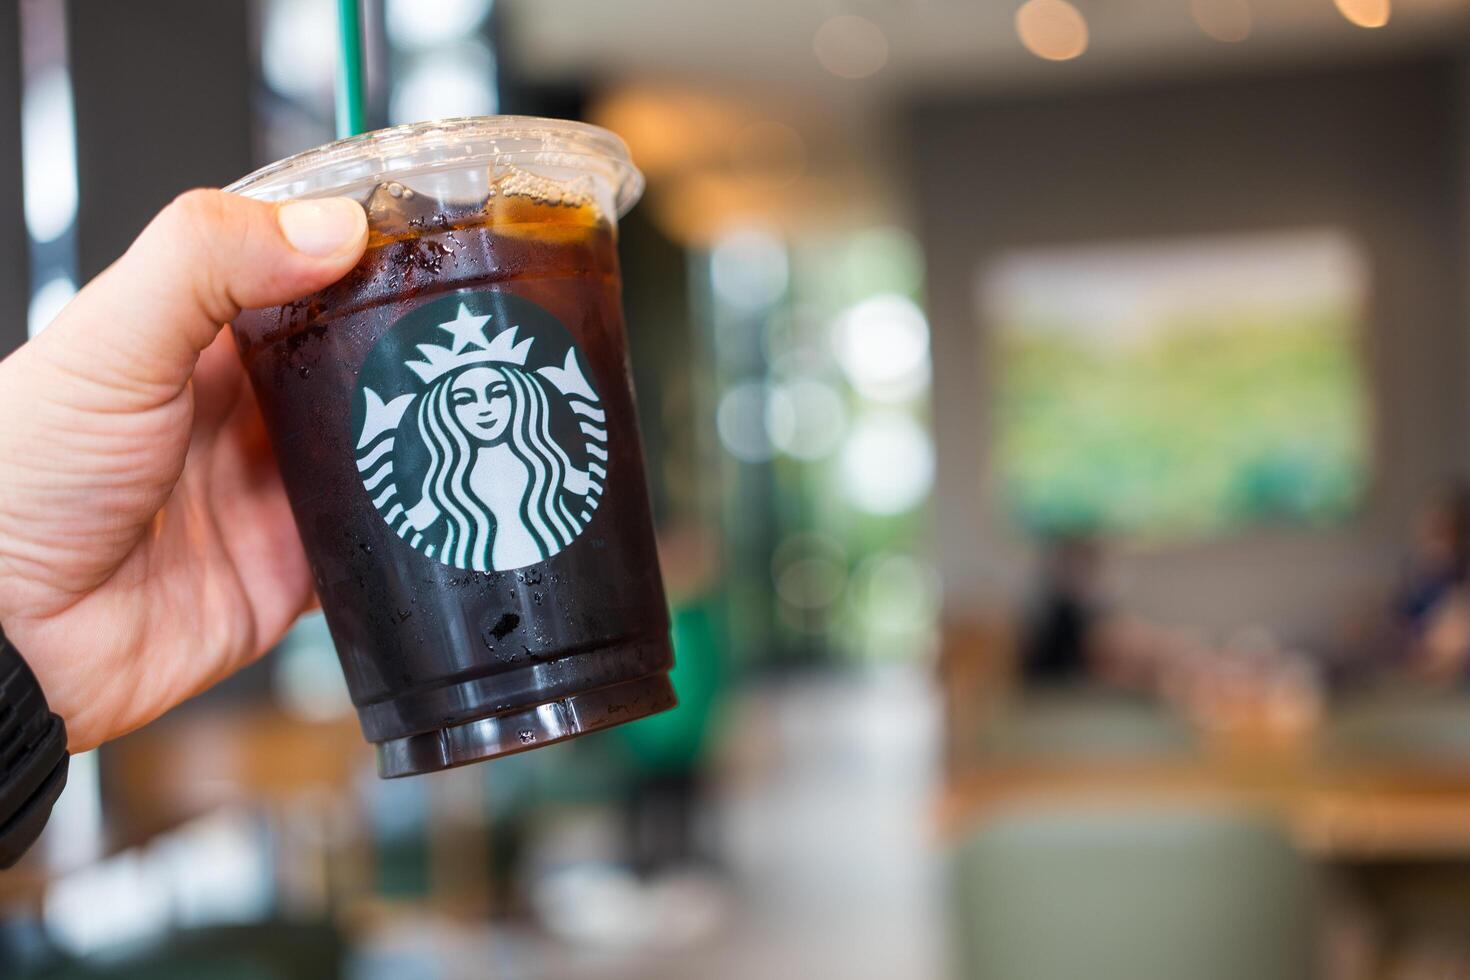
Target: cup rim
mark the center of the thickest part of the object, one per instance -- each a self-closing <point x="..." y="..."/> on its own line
<point x="437" y="144"/>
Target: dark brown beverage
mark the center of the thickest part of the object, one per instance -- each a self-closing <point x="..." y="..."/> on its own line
<point x="455" y="426"/>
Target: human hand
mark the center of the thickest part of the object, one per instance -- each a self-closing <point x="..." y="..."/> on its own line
<point x="146" y="546"/>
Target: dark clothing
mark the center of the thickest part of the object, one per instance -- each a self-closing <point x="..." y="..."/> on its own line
<point x="1054" y="648"/>
<point x="33" y="757"/>
<point x="662" y="822"/>
<point x="1422" y="592"/>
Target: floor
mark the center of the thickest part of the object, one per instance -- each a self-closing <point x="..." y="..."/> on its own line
<point x="833" y="871"/>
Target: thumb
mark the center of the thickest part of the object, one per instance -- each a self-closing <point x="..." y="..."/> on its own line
<point x="138" y="328"/>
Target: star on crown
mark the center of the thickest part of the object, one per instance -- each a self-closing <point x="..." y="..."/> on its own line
<point x="469" y="346"/>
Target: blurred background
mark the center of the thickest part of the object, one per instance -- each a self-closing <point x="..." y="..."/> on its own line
<point x="1058" y="426"/>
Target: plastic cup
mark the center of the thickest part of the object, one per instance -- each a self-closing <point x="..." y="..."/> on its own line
<point x="454" y="424"/>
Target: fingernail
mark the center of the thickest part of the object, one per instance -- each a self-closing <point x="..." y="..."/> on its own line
<point x="321" y="228"/>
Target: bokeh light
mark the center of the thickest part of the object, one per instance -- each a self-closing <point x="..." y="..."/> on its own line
<point x="901" y="591"/>
<point x="741" y="423"/>
<point x="48" y="302"/>
<point x="296" y="59"/>
<point x="806" y="419"/>
<point x="882" y="344"/>
<point x="1052" y="29"/>
<point x="1366" y="13"/>
<point x="428" y="23"/>
<point x="1229" y="21"/>
<point x="457" y="81"/>
<point x="809" y="570"/>
<point x="49" y="155"/>
<point x="748" y="269"/>
<point x="850" y="46"/>
<point x="896" y="598"/>
<point x="887" y="463"/>
<point x="811" y="583"/>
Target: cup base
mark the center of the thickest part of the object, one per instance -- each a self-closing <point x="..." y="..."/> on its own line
<point x="530" y="728"/>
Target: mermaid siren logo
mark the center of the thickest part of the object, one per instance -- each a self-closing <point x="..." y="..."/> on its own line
<point x="483" y="463"/>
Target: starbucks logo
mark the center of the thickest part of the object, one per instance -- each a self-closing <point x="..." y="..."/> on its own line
<point x="479" y="437"/>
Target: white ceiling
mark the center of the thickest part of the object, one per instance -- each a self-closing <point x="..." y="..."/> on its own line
<point x="690" y="83"/>
<point x="933" y="44"/>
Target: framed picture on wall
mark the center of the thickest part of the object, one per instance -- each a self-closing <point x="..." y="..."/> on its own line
<point x="1181" y="386"/>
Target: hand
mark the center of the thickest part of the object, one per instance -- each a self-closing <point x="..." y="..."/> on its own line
<point x="146" y="546"/>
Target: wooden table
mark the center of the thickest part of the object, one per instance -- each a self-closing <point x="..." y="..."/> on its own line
<point x="194" y="762"/>
<point x="1343" y="810"/>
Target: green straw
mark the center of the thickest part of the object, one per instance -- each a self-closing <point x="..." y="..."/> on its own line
<point x="350" y="116"/>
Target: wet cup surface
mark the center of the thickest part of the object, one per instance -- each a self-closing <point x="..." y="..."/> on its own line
<point x="454" y="423"/>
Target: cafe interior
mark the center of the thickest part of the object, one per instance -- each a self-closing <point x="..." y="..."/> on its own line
<point x="1056" y="421"/>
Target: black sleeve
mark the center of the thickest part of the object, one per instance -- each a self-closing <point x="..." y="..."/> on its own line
<point x="33" y="756"/>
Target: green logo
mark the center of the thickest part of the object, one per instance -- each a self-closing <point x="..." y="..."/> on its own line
<point x="479" y="437"/>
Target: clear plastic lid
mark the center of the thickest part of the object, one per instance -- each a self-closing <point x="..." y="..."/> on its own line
<point x="456" y="158"/>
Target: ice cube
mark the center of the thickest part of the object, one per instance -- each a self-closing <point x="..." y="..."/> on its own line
<point x="395" y="210"/>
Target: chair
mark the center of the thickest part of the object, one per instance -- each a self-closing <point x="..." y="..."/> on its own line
<point x="1060" y="893"/>
<point x="1087" y="727"/>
